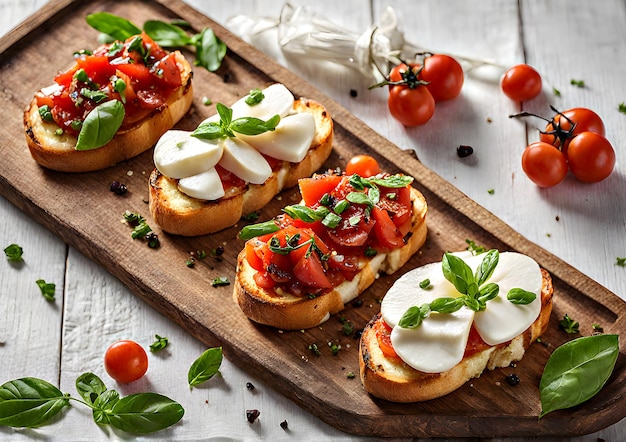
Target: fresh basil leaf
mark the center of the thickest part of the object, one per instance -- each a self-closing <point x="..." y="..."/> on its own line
<point x="414" y="316"/>
<point x="144" y="413"/>
<point x="159" y="343"/>
<point x="306" y="214"/>
<point x="254" y="97"/>
<point x="205" y="367"/>
<point x="103" y="405"/>
<point x="96" y="96"/>
<point x="331" y="220"/>
<point x="210" y="50"/>
<point x="487" y="266"/>
<point x="457" y="272"/>
<point x="47" y="289"/>
<point x="14" y="253"/>
<point x="117" y="27"/>
<point x="30" y="402"/>
<point x="254" y="230"/>
<point x="225" y="113"/>
<point x="576" y="371"/>
<point x="100" y="125"/>
<point x="254" y="126"/>
<point x="393" y="181"/>
<point x="341" y="206"/>
<point x="446" y="305"/>
<point x="209" y="131"/>
<point x="358" y="182"/>
<point x="520" y="296"/>
<point x="90" y="387"/>
<point x="488" y="292"/>
<point x="136" y="45"/>
<point x="165" y="34"/>
<point x="359" y="198"/>
<point x="374" y="195"/>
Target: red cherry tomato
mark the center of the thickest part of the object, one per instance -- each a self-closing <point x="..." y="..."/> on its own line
<point x="559" y="131"/>
<point x="445" y="76"/>
<point x="544" y="164"/>
<point x="521" y="83"/>
<point x="411" y="107"/>
<point x="126" y="361"/>
<point x="591" y="157"/>
<point x="363" y="165"/>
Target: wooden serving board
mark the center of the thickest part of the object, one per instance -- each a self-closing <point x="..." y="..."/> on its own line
<point x="84" y="213"/>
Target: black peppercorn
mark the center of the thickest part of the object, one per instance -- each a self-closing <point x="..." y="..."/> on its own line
<point x="249" y="386"/>
<point x="512" y="379"/>
<point x="118" y="188"/>
<point x="284" y="425"/>
<point x="252" y="415"/>
<point x="464" y="151"/>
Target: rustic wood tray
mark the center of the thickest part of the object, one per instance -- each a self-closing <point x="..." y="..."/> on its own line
<point x="82" y="211"/>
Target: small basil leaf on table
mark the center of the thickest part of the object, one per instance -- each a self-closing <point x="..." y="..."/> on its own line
<point x="30" y="402"/>
<point x="101" y="125"/>
<point x="210" y="50"/>
<point x="205" y="367"/>
<point x="144" y="413"/>
<point x="117" y="27"/>
<point x="576" y="371"/>
<point x="90" y="387"/>
<point x="165" y="34"/>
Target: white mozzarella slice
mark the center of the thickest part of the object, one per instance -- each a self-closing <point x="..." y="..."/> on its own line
<point x="502" y="320"/>
<point x="244" y="161"/>
<point x="177" y="154"/>
<point x="289" y="142"/>
<point x="277" y="100"/>
<point x="438" y="344"/>
<point x="205" y="185"/>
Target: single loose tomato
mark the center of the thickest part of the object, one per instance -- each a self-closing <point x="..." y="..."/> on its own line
<point x="591" y="157"/>
<point x="559" y="131"/>
<point x="444" y="76"/>
<point x="126" y="361"/>
<point x="411" y="107"/>
<point x="363" y="165"/>
<point x="521" y="83"/>
<point x="544" y="164"/>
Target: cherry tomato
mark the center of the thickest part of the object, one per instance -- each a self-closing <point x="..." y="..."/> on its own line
<point x="559" y="131"/>
<point x="591" y="157"/>
<point x="126" y="361"/>
<point x="401" y="72"/>
<point x="521" y="83"/>
<point x="363" y="165"/>
<point x="383" y="336"/>
<point x="445" y="76"/>
<point x="544" y="164"/>
<point x="411" y="107"/>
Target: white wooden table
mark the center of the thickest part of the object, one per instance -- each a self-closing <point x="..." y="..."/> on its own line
<point x="585" y="225"/>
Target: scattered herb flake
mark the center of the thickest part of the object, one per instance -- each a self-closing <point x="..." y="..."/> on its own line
<point x="350" y="375"/>
<point x="220" y="281"/>
<point x="314" y="349"/>
<point x="47" y="289"/>
<point x="622" y="107"/>
<point x="207" y="101"/>
<point x="491" y="191"/>
<point x="568" y="325"/>
<point x="425" y="284"/>
<point x="254" y="97"/>
<point x="597" y="328"/>
<point x="577" y="83"/>
<point x="556" y="92"/>
<point x="474" y="248"/>
<point x="14" y="253"/>
<point x="159" y="344"/>
<point x="620" y="262"/>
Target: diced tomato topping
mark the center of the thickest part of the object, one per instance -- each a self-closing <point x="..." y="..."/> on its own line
<point x="65" y="78"/>
<point x="312" y="189"/>
<point x="251" y="256"/>
<point x="383" y="336"/>
<point x="474" y="343"/>
<point x="137" y="71"/>
<point x="309" y="270"/>
<point x="263" y="280"/>
<point x="385" y="230"/>
<point x="397" y="202"/>
<point x="229" y="179"/>
<point x="167" y="71"/>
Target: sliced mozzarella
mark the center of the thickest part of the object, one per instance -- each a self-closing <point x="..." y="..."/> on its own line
<point x="177" y="154"/>
<point x="289" y="142"/>
<point x="502" y="320"/>
<point x="438" y="344"/>
<point x="244" y="161"/>
<point x="205" y="185"/>
<point x="277" y="100"/>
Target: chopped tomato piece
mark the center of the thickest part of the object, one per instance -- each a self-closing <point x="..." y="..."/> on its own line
<point x="309" y="270"/>
<point x="137" y="71"/>
<point x="354" y="228"/>
<point x="383" y="336"/>
<point x="167" y="71"/>
<point x="312" y="189"/>
<point x="97" y="68"/>
<point x="397" y="202"/>
<point x="65" y="78"/>
<point x="474" y="343"/>
<point x="251" y="256"/>
<point x="263" y="280"/>
<point x="385" y="230"/>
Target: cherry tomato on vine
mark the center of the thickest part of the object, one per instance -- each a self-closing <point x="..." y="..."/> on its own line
<point x="544" y="164"/>
<point x="126" y="361"/>
<point x="559" y="132"/>
<point x="521" y="83"/>
<point x="411" y="107"/>
<point x="591" y="157"/>
<point x="363" y="165"/>
<point x="444" y="76"/>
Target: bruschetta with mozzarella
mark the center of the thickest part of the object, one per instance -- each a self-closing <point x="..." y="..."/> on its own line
<point x="306" y="264"/>
<point x="236" y="161"/>
<point x="443" y="324"/>
<point x="111" y="105"/>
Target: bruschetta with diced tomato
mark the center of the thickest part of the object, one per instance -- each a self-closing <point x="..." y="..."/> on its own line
<point x="306" y="264"/>
<point x="111" y="105"/>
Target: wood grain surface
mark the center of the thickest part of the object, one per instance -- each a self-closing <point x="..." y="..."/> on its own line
<point x="84" y="214"/>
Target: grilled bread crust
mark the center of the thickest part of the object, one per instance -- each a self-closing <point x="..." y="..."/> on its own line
<point x="290" y="312"/>
<point x="180" y="214"/>
<point x="393" y="380"/>
<point x="57" y="152"/>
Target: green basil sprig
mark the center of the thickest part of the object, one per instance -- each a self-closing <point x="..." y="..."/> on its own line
<point x="473" y="286"/>
<point x="576" y="371"/>
<point x="210" y="50"/>
<point x="100" y="125"/>
<point x="226" y="126"/>
<point x="31" y="403"/>
<point x="205" y="367"/>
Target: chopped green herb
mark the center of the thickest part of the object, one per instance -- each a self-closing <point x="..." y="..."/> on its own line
<point x="347" y="328"/>
<point x="220" y="281"/>
<point x="425" y="284"/>
<point x="577" y="83"/>
<point x="491" y="191"/>
<point x="568" y="325"/>
<point x="556" y="92"/>
<point x="207" y="101"/>
<point x="334" y="348"/>
<point x="47" y="289"/>
<point x="597" y="328"/>
<point x="159" y="344"/>
<point x="45" y="113"/>
<point x="255" y="97"/>
<point x="620" y="262"/>
<point x="201" y="254"/>
<point x="474" y="248"/>
<point x="313" y="348"/>
<point x="252" y="216"/>
<point x="622" y="107"/>
<point x="350" y="375"/>
<point x="191" y="262"/>
<point x="14" y="253"/>
<point x="370" y="251"/>
<point x="95" y="96"/>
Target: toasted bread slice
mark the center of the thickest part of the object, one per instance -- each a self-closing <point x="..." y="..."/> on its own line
<point x="391" y="379"/>
<point x="57" y="152"/>
<point x="180" y="214"/>
<point x="291" y="312"/>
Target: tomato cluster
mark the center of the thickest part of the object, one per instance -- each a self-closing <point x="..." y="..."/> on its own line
<point x="572" y="140"/>
<point x="414" y="89"/>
